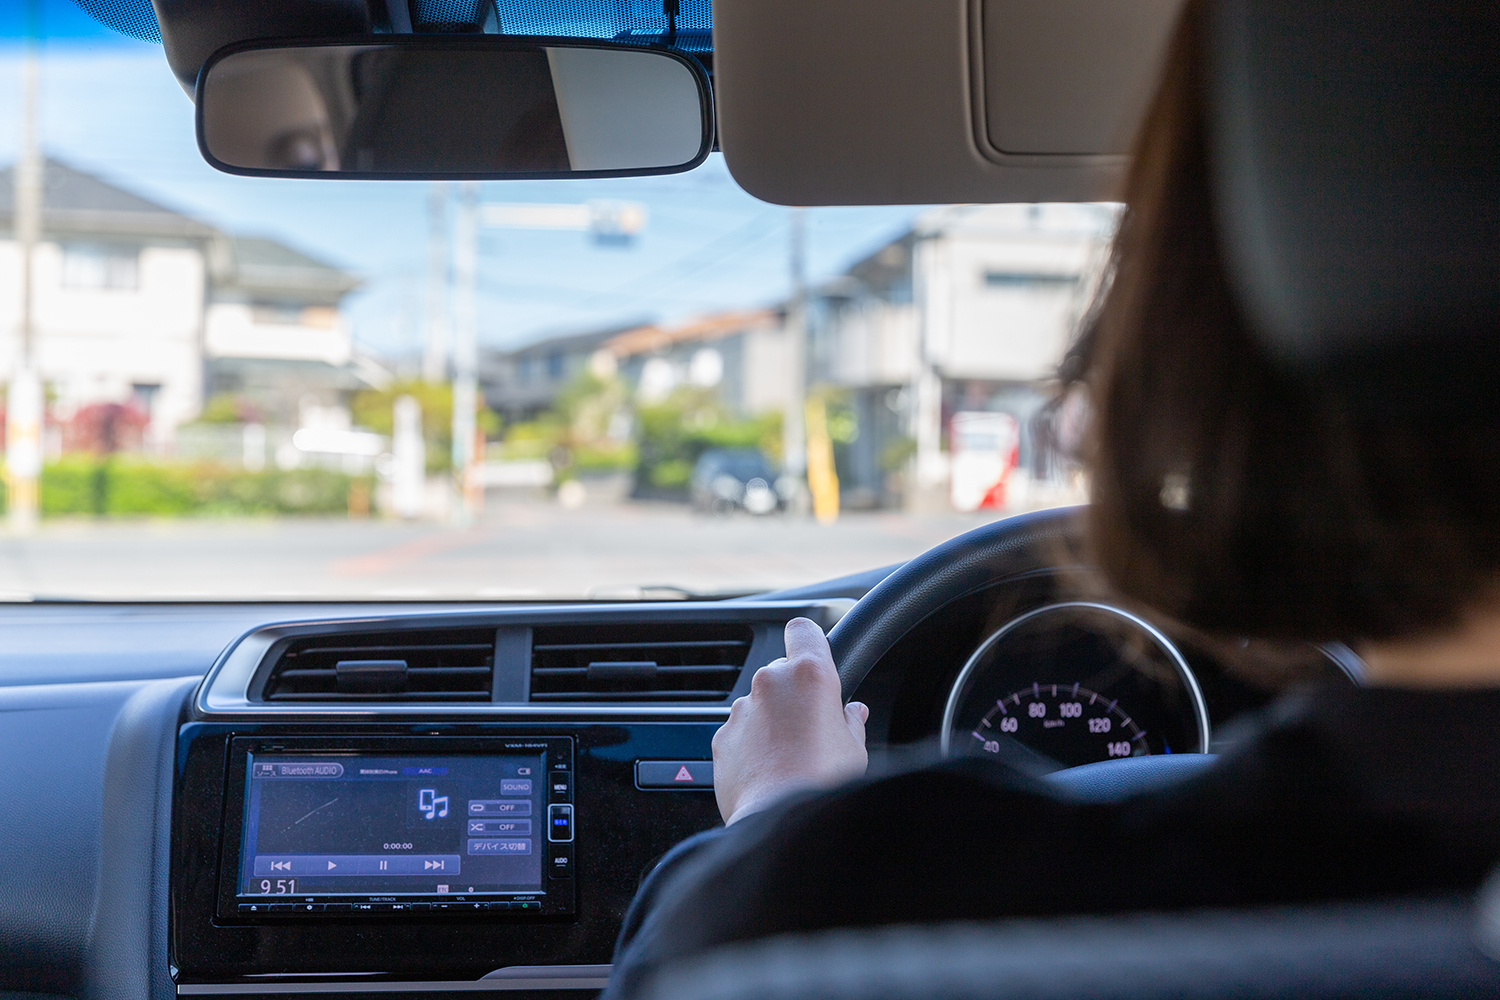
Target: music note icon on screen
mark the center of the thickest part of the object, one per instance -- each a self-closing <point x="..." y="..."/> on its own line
<point x="432" y="805"/>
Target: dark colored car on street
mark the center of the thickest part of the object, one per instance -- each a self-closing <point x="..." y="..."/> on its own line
<point x="726" y="480"/>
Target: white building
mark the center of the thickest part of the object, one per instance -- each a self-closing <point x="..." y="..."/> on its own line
<point x="273" y="332"/>
<point x="971" y="311"/>
<point x="136" y="303"/>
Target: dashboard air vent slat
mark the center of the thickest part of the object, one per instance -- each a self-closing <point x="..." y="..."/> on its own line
<point x="662" y="662"/>
<point x="434" y="665"/>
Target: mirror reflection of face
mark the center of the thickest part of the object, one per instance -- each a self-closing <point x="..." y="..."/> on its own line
<point x="399" y="110"/>
<point x="270" y="112"/>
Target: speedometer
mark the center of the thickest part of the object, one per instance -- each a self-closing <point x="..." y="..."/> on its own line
<point x="1073" y="683"/>
<point x="1064" y="722"/>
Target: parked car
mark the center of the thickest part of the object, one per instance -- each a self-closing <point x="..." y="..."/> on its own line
<point x="727" y="480"/>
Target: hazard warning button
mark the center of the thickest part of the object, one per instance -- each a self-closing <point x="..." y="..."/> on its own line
<point x="668" y="774"/>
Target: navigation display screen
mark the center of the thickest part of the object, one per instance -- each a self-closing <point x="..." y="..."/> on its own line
<point x="318" y="826"/>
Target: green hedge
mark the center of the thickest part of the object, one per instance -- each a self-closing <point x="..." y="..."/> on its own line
<point x="127" y="486"/>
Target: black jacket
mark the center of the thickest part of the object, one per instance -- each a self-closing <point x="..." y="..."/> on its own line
<point x="1340" y="794"/>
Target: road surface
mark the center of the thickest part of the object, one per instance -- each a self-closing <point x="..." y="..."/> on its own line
<point x="516" y="550"/>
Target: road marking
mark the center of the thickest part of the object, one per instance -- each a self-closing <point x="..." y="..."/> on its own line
<point x="386" y="560"/>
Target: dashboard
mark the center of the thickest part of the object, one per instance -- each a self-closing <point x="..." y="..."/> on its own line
<point x="262" y="800"/>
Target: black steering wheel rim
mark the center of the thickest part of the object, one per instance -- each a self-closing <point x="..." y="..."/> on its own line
<point x="960" y="566"/>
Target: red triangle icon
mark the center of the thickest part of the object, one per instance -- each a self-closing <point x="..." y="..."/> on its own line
<point x="683" y="774"/>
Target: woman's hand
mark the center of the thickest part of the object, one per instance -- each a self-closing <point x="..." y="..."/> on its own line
<point x="791" y="731"/>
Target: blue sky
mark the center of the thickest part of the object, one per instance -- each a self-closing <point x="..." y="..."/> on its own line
<point x="111" y="106"/>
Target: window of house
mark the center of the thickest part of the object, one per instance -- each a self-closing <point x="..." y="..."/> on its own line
<point x="1028" y="279"/>
<point x="101" y="266"/>
<point x="143" y="395"/>
<point x="276" y="314"/>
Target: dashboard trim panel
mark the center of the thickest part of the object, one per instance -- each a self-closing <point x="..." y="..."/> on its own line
<point x="582" y="982"/>
<point x="225" y="691"/>
<point x="620" y="833"/>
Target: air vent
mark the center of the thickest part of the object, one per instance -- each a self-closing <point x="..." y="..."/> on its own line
<point x="665" y="662"/>
<point x="425" y="665"/>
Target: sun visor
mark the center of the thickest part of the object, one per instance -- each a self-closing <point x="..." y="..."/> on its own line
<point x="1356" y="150"/>
<point x="874" y="102"/>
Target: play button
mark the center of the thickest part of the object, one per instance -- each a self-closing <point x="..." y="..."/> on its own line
<point x="331" y="865"/>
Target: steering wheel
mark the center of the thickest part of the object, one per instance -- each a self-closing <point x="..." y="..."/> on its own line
<point x="960" y="566"/>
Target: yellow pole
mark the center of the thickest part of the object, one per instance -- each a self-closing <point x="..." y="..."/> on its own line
<point x="822" y="479"/>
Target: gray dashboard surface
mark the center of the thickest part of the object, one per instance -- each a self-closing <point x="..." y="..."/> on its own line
<point x="91" y="696"/>
<point x="85" y="807"/>
<point x="64" y="643"/>
<point x="85" y="642"/>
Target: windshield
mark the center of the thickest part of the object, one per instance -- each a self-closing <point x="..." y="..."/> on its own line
<point x="225" y="387"/>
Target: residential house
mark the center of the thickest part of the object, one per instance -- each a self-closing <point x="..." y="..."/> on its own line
<point x="520" y="383"/>
<point x="120" y="288"/>
<point x="742" y="354"/>
<point x="273" y="331"/>
<point x="141" y="305"/>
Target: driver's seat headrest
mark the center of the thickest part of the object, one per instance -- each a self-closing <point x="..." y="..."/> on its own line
<point x="1355" y="149"/>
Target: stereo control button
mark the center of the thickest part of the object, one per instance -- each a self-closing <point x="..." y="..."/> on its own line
<point x="560" y="823"/>
<point x="562" y="863"/>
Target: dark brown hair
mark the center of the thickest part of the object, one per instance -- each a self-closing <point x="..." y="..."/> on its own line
<point x="1230" y="494"/>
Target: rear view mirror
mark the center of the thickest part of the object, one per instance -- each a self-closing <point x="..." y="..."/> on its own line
<point x="398" y="107"/>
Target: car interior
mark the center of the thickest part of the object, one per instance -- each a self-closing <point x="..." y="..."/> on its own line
<point x="209" y="799"/>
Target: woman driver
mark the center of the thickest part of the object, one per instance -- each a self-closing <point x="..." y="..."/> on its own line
<point x="1288" y="516"/>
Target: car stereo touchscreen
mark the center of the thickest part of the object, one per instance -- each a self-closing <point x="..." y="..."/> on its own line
<point x="359" y="832"/>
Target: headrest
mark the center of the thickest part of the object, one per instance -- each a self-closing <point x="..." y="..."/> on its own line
<point x="1356" y="158"/>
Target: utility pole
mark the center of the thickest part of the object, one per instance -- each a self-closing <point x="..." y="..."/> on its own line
<point x="793" y="426"/>
<point x="23" y="423"/>
<point x="926" y="392"/>
<point x="466" y="352"/>
<point x="435" y="333"/>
